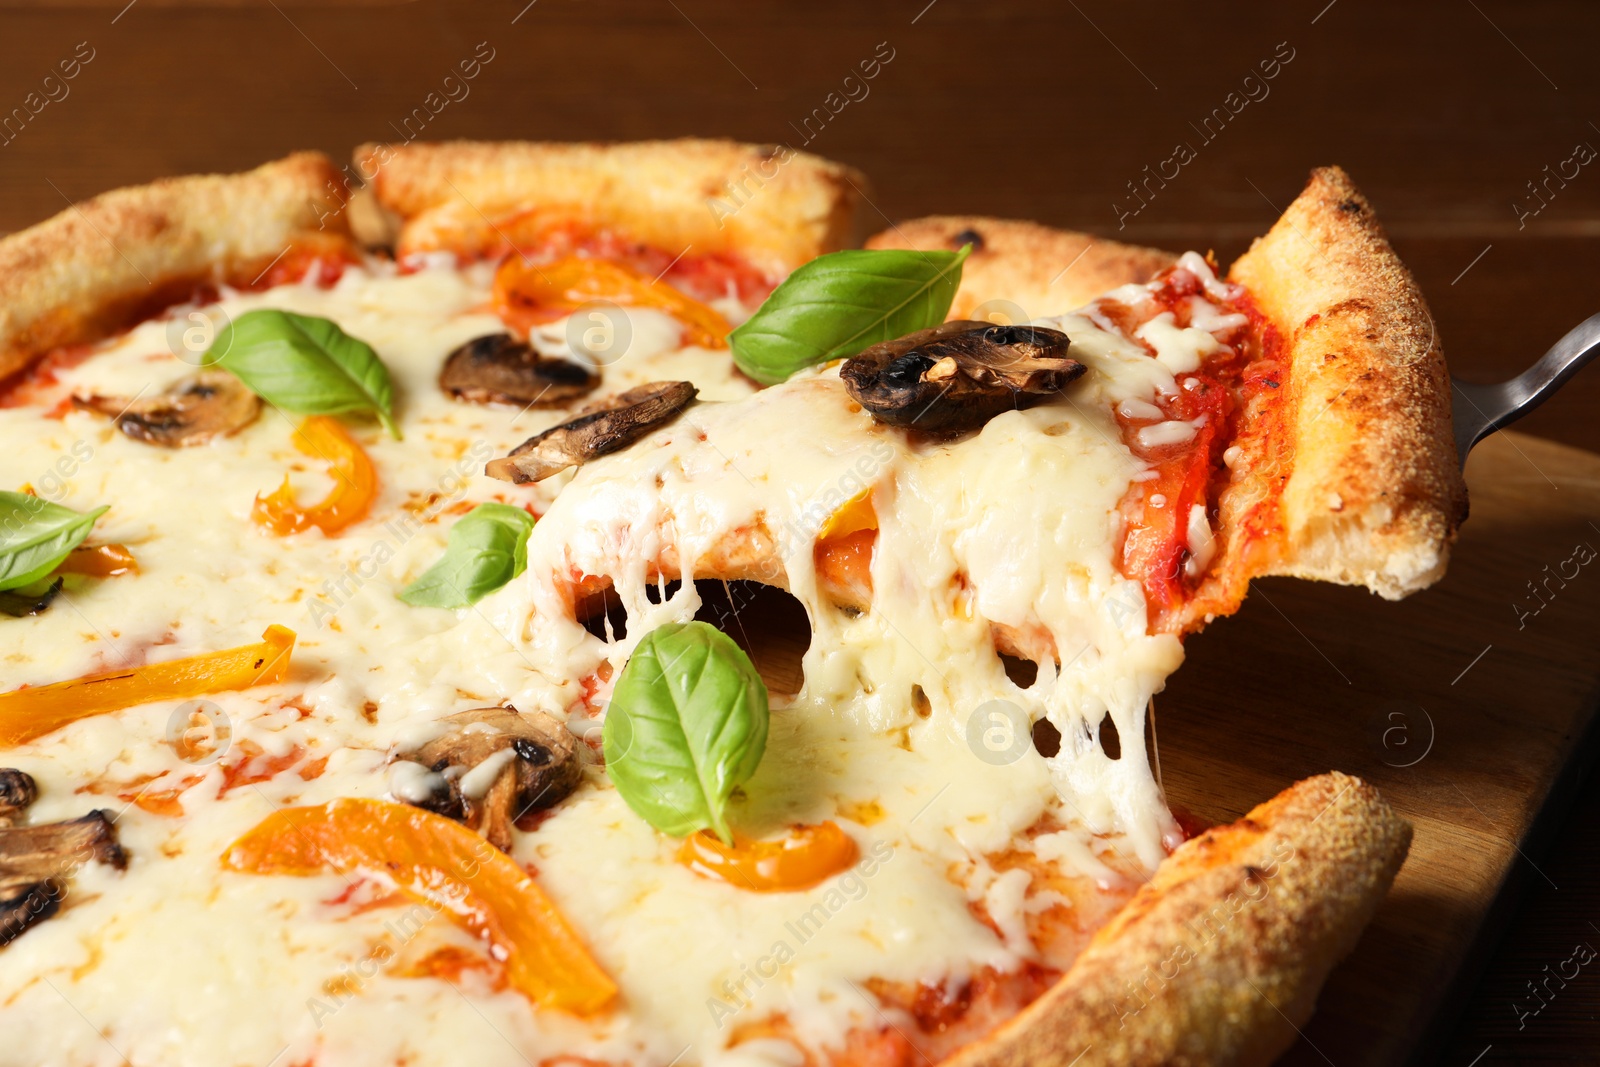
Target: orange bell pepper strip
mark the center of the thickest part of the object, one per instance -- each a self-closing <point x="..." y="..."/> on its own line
<point x="843" y="552"/>
<point x="99" y="561"/>
<point x="34" y="711"/>
<point x="442" y="862"/>
<point x="853" y="516"/>
<point x="804" y="857"/>
<point x="355" y="483"/>
<point x="526" y="294"/>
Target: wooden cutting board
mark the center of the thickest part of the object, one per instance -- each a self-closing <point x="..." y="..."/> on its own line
<point x="1465" y="704"/>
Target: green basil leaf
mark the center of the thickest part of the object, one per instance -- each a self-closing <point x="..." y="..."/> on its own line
<point x="488" y="547"/>
<point x="686" y="726"/>
<point x="36" y="535"/>
<point x="840" y="303"/>
<point x="305" y="364"/>
<point x="30" y="599"/>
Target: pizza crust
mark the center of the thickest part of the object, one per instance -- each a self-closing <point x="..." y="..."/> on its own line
<point x="1219" y="958"/>
<point x="1375" y="494"/>
<point x="775" y="206"/>
<point x="119" y="257"/>
<point x="1039" y="270"/>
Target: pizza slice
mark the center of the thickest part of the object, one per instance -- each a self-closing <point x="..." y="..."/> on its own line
<point x="1354" y="457"/>
<point x="949" y="843"/>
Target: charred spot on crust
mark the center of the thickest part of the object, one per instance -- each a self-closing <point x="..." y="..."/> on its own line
<point x="1350" y="206"/>
<point x="956" y="377"/>
<point x="598" y="430"/>
<point x="501" y="369"/>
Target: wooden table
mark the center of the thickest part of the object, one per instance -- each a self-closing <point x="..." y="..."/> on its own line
<point x="1443" y="112"/>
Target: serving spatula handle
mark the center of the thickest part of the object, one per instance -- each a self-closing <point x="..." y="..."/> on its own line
<point x="1480" y="410"/>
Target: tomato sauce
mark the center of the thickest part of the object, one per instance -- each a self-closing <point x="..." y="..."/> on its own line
<point x="321" y="267"/>
<point x="1243" y="378"/>
<point x="32" y="384"/>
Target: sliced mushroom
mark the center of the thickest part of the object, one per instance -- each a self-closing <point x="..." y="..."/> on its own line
<point x="17" y="792"/>
<point x="36" y="861"/>
<point x="192" y="411"/>
<point x="958" y="376"/>
<point x="602" y="428"/>
<point x="488" y="768"/>
<point x="501" y="369"/>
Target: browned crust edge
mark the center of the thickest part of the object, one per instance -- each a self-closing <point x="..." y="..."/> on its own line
<point x="1022" y="270"/>
<point x="1375" y="494"/>
<point x="104" y="264"/>
<point x="1219" y="958"/>
<point x="775" y="206"/>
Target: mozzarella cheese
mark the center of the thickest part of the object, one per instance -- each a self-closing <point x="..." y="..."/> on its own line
<point x="907" y="732"/>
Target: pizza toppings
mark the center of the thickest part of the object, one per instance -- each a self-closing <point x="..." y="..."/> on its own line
<point x="842" y="554"/>
<point x="305" y="364"/>
<point x="34" y="711"/>
<point x="36" y="537"/>
<point x="687" y="725"/>
<point x="488" y="547"/>
<point x="355" y="483"/>
<point x="190" y="412"/>
<point x="527" y="294"/>
<point x="36" y="861"/>
<point x="601" y="429"/>
<point x="501" y="369"/>
<point x="18" y="791"/>
<point x="805" y="856"/>
<point x="99" y="561"/>
<point x="957" y="376"/>
<point x="840" y="303"/>
<point x="1013" y="530"/>
<point x="30" y="599"/>
<point x="436" y="860"/>
<point x="91" y="561"/>
<point x="1213" y="369"/>
<point x="488" y="768"/>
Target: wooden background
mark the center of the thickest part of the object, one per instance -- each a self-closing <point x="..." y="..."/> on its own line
<point x="1443" y="112"/>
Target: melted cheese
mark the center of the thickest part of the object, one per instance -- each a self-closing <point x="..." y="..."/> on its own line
<point x="177" y="963"/>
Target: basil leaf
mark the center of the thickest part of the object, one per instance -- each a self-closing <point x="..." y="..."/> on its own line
<point x="840" y="303"/>
<point x="488" y="547"/>
<point x="30" y="599"/>
<point x="305" y="364"/>
<point x="687" y="725"/>
<point x="36" y="535"/>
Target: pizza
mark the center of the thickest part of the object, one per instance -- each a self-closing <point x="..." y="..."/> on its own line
<point x="383" y="569"/>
